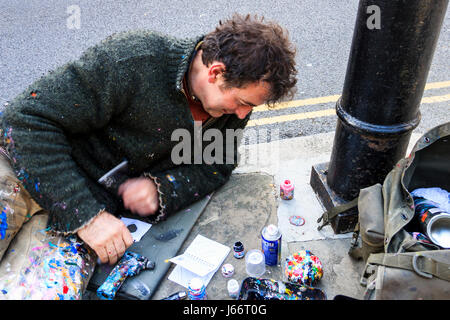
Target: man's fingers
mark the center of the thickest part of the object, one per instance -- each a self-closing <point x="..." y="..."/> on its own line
<point x="139" y="194"/>
<point x="124" y="186"/>
<point x="112" y="254"/>
<point x="120" y="247"/>
<point x="130" y="197"/>
<point x="107" y="236"/>
<point x="127" y="238"/>
<point x="102" y="254"/>
<point x="145" y="208"/>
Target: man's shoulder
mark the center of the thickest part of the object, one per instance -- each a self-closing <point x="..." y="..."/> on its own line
<point x="135" y="35"/>
<point x="134" y="42"/>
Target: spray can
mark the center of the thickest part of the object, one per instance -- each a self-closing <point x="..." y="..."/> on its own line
<point x="271" y="244"/>
<point x="433" y="221"/>
<point x="287" y="190"/>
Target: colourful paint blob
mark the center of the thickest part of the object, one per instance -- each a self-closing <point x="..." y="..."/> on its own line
<point x="56" y="270"/>
<point x="303" y="268"/>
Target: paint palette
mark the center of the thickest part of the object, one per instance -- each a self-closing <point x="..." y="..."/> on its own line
<point x="268" y="289"/>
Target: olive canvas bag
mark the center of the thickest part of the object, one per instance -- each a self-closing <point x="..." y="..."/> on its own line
<point x="398" y="266"/>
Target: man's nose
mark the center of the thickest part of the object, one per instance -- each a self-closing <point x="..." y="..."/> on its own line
<point x="243" y="111"/>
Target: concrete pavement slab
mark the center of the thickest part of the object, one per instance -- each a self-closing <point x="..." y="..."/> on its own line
<point x="293" y="159"/>
<point x="237" y="212"/>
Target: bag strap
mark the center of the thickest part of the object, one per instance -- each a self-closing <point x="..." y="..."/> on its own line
<point x="424" y="266"/>
<point x="355" y="252"/>
<point x="333" y="212"/>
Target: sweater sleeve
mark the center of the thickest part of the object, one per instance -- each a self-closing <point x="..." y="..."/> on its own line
<point x="184" y="184"/>
<point x="75" y="99"/>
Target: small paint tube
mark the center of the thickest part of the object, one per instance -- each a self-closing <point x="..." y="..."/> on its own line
<point x="176" y="296"/>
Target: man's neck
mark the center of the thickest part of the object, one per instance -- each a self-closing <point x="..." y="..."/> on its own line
<point x="194" y="74"/>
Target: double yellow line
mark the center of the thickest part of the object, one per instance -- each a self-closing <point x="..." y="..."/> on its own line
<point x="328" y="112"/>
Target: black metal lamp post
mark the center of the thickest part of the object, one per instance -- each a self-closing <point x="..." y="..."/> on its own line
<point x="379" y="106"/>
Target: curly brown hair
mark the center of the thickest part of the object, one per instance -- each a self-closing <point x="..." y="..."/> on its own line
<point x="253" y="50"/>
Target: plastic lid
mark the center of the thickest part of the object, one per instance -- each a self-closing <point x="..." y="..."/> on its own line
<point x="227" y="269"/>
<point x="196" y="283"/>
<point x="238" y="245"/>
<point x="272" y="229"/>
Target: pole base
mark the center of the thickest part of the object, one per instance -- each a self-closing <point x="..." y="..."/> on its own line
<point x="345" y="221"/>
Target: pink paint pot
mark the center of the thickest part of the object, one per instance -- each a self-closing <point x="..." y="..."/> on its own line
<point x="287" y="190"/>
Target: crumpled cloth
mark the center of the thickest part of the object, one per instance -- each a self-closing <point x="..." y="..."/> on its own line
<point x="440" y="196"/>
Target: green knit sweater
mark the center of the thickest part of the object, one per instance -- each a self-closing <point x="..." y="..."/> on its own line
<point x="121" y="100"/>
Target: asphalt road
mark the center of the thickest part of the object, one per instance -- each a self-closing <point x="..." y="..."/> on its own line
<point x="38" y="35"/>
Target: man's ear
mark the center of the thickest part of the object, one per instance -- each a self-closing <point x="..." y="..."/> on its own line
<point x="215" y="71"/>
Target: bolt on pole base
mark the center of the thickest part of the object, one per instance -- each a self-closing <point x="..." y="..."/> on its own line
<point x="345" y="221"/>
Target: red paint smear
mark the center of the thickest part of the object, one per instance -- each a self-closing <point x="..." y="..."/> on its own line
<point x="65" y="289"/>
<point x="424" y="216"/>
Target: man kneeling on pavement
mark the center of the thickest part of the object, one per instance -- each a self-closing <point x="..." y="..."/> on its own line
<point x="122" y="100"/>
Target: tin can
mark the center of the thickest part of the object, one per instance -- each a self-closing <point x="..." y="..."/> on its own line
<point x="433" y="221"/>
<point x="196" y="289"/>
<point x="287" y="190"/>
<point x="271" y="244"/>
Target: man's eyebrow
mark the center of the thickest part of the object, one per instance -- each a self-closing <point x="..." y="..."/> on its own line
<point x="248" y="103"/>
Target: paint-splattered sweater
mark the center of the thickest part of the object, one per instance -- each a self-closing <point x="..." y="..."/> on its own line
<point x="121" y="100"/>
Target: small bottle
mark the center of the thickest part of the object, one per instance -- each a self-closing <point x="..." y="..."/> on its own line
<point x="238" y="250"/>
<point x="233" y="288"/>
<point x="287" y="190"/>
<point x="227" y="270"/>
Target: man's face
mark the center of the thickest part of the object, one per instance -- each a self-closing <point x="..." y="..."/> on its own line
<point x="218" y="100"/>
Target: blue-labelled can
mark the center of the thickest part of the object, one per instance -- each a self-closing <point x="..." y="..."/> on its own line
<point x="271" y="244"/>
<point x="197" y="289"/>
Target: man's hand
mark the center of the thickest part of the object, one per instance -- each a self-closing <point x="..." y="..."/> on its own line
<point x="140" y="196"/>
<point x="107" y="236"/>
